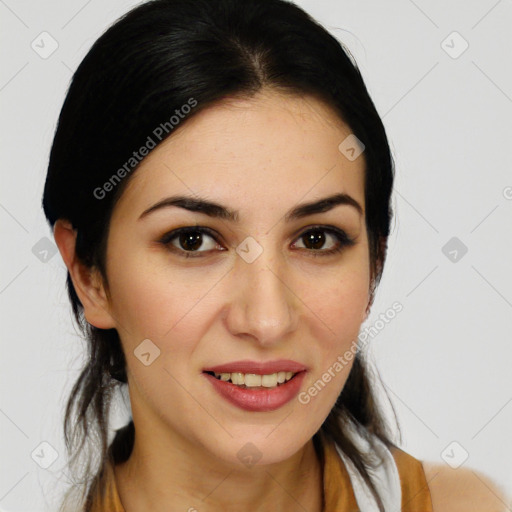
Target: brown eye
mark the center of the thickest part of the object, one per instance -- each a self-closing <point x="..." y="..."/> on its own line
<point x="314" y="239"/>
<point x="189" y="240"/>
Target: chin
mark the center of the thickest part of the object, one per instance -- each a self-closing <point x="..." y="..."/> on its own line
<point x="262" y="446"/>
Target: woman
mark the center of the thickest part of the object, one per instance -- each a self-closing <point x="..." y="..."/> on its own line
<point x="219" y="189"/>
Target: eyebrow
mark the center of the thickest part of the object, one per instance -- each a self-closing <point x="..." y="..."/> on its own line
<point x="219" y="211"/>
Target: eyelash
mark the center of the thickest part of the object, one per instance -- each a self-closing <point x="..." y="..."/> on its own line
<point x="343" y="239"/>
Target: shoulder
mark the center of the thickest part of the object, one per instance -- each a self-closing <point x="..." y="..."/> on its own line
<point x="462" y="490"/>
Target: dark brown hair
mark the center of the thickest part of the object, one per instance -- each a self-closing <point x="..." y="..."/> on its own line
<point x="143" y="69"/>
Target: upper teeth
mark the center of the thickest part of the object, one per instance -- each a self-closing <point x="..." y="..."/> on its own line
<point x="251" y="380"/>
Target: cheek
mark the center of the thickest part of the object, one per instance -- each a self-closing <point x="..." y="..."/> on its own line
<point x="337" y="312"/>
<point x="338" y="303"/>
<point x="151" y="302"/>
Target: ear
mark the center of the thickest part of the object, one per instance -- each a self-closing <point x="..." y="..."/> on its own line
<point x="87" y="281"/>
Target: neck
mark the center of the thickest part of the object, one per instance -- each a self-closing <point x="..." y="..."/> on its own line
<point x="179" y="473"/>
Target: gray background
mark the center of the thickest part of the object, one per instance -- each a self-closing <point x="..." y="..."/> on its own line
<point x="445" y="359"/>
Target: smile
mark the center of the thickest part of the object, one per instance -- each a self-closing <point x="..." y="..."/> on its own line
<point x="257" y="386"/>
<point x="252" y="380"/>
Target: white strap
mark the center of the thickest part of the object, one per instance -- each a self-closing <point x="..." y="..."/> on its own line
<point x="385" y="477"/>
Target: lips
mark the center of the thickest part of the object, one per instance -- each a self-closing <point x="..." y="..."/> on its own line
<point x="258" y="399"/>
<point x="279" y="383"/>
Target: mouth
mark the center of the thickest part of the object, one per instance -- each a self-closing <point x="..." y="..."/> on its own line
<point x="253" y="380"/>
<point x="257" y="387"/>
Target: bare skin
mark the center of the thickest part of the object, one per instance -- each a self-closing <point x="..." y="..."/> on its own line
<point x="263" y="157"/>
<point x="464" y="490"/>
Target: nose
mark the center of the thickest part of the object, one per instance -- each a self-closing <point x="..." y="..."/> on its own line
<point x="263" y="305"/>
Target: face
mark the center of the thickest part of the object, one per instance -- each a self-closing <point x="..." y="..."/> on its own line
<point x="232" y="294"/>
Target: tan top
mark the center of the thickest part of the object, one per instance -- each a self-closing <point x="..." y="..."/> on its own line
<point x="338" y="493"/>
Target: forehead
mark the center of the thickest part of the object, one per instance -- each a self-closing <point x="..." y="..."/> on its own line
<point x="259" y="152"/>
